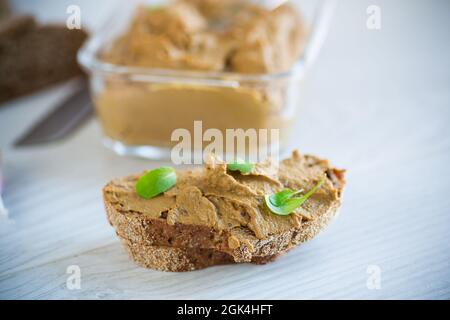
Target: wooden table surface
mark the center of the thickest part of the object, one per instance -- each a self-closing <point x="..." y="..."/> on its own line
<point x="376" y="103"/>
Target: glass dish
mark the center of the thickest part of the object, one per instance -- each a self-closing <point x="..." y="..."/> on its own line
<point x="140" y="109"/>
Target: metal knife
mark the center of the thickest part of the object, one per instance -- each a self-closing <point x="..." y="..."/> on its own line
<point x="62" y="120"/>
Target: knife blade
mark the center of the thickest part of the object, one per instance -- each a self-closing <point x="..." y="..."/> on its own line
<point x="62" y="120"/>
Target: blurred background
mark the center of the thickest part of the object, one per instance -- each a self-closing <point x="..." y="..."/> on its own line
<point x="376" y="102"/>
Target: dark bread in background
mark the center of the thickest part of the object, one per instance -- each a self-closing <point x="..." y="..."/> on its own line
<point x="33" y="56"/>
<point x="5" y="10"/>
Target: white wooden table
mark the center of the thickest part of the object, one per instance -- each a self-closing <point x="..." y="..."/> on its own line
<point x="377" y="103"/>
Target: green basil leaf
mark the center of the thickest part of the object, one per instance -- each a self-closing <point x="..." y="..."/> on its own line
<point x="240" y="165"/>
<point x="276" y="209"/>
<point x="286" y="208"/>
<point x="279" y="198"/>
<point x="156" y="182"/>
<point x="283" y="202"/>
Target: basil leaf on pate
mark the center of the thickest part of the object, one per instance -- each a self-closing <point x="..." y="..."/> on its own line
<point x="283" y="203"/>
<point x="155" y="182"/>
<point x="240" y="165"/>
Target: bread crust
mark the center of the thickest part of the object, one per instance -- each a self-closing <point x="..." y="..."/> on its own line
<point x="181" y="259"/>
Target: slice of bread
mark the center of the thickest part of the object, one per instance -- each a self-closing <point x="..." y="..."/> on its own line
<point x="181" y="259"/>
<point x="144" y="225"/>
<point x="33" y="56"/>
<point x="5" y="10"/>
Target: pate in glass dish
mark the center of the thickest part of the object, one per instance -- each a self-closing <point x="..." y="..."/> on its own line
<point x="221" y="64"/>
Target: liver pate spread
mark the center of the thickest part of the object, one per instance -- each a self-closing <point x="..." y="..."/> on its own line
<point x="233" y="202"/>
<point x="219" y="35"/>
<point x="206" y="35"/>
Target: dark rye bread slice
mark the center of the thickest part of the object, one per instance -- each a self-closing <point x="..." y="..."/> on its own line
<point x="140" y="230"/>
<point x="5" y="10"/>
<point x="181" y="259"/>
<point x="33" y="56"/>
